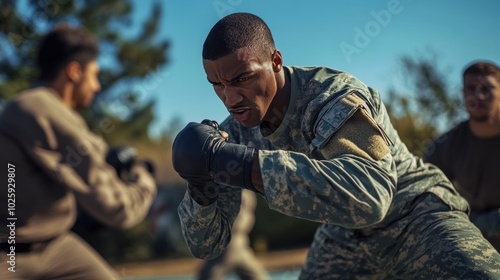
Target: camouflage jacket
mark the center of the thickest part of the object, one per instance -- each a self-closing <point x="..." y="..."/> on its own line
<point x="325" y="163"/>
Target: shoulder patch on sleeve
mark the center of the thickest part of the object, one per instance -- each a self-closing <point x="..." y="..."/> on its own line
<point x="358" y="136"/>
<point x="346" y="127"/>
<point x="332" y="116"/>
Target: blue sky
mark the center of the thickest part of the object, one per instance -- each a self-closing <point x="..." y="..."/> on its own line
<point x="365" y="38"/>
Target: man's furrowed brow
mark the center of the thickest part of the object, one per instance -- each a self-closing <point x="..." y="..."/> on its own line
<point x="239" y="76"/>
<point x="212" y="82"/>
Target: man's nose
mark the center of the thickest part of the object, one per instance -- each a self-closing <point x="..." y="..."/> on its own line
<point x="232" y="96"/>
<point x="482" y="93"/>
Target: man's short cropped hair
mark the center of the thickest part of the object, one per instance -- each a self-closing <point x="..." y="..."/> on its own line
<point x="483" y="68"/>
<point x="62" y="45"/>
<point x="236" y="31"/>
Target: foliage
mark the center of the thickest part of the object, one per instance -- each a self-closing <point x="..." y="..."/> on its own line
<point x="127" y="59"/>
<point x="434" y="99"/>
<point x="430" y="106"/>
<point x="132" y="57"/>
<point x="131" y="54"/>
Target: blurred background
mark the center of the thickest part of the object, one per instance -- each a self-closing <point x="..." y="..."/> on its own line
<point x="153" y="83"/>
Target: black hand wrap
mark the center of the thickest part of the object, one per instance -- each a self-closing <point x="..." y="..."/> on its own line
<point x="224" y="165"/>
<point x="232" y="165"/>
<point x="203" y="190"/>
<point x="121" y="158"/>
<point x="199" y="151"/>
<point x="150" y="166"/>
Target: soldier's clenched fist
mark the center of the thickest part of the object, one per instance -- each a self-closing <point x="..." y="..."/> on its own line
<point x="199" y="150"/>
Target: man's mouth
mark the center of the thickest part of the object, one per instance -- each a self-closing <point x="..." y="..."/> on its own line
<point x="240" y="110"/>
<point x="240" y="114"/>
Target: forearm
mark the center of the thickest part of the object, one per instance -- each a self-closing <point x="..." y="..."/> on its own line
<point x="117" y="203"/>
<point x="207" y="229"/>
<point x="488" y="222"/>
<point x="98" y="188"/>
<point x="347" y="191"/>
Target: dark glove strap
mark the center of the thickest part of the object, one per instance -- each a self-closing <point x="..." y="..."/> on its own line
<point x="121" y="158"/>
<point x="248" y="166"/>
<point x="203" y="192"/>
<point x="232" y="166"/>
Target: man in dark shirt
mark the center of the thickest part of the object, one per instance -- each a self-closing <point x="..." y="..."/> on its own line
<point x="469" y="153"/>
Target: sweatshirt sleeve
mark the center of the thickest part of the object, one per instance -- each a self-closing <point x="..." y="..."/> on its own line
<point x="58" y="141"/>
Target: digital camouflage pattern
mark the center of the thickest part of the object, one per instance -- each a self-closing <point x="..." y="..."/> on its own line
<point x="238" y="258"/>
<point x="336" y="159"/>
<point x="431" y="242"/>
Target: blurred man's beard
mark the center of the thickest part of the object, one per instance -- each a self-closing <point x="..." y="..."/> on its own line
<point x="479" y="118"/>
<point x="476" y="113"/>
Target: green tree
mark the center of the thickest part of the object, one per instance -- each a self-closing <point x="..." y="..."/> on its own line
<point x="129" y="58"/>
<point x="132" y="58"/>
<point x="427" y="105"/>
<point x="132" y="61"/>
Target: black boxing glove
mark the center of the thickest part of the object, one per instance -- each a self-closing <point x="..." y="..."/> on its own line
<point x="150" y="166"/>
<point x="199" y="151"/>
<point x="121" y="158"/>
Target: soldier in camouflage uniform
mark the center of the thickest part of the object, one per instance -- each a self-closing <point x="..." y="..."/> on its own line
<point x="318" y="145"/>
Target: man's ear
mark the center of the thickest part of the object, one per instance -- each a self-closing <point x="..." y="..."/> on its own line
<point x="74" y="71"/>
<point x="277" y="60"/>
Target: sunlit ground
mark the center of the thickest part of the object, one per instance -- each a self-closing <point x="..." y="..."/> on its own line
<point x="281" y="265"/>
<point x="277" y="275"/>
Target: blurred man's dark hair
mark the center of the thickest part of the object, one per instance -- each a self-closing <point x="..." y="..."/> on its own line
<point x="62" y="45"/>
<point x="483" y="68"/>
